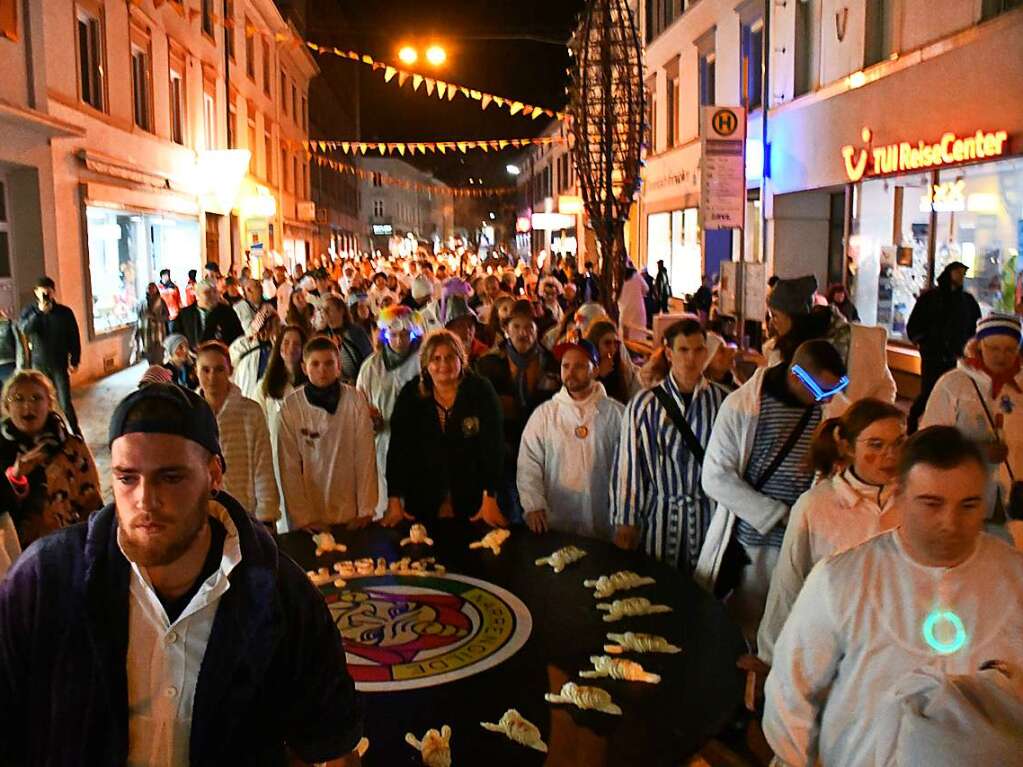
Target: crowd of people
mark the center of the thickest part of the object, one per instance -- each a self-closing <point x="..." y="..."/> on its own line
<point x="850" y="550"/>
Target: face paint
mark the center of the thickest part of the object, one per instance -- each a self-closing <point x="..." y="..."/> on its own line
<point x="949" y="626"/>
<point x="819" y="394"/>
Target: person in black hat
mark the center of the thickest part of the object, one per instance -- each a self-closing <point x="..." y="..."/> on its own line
<point x="942" y="321"/>
<point x="169" y="627"/>
<point x="52" y="332"/>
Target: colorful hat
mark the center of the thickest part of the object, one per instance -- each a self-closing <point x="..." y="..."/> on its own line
<point x="398" y="318"/>
<point x="997" y="324"/>
<point x="586" y="347"/>
<point x="454" y="304"/>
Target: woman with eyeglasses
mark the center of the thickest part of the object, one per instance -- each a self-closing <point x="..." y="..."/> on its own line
<point x="857" y="457"/>
<point x="50" y="476"/>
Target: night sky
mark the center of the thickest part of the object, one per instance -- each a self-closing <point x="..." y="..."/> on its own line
<point x="525" y="70"/>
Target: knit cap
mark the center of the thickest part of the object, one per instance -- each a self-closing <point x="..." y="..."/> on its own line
<point x="997" y="324"/>
<point x="171" y="342"/>
<point x="793" y="297"/>
<point x="421" y="287"/>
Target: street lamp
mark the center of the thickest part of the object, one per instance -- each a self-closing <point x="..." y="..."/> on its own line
<point x="408" y="55"/>
<point x="436" y="55"/>
<point x="513" y="170"/>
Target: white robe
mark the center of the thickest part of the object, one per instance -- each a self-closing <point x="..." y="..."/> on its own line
<point x="836" y="514"/>
<point x="245" y="364"/>
<point x="632" y="307"/>
<point x="567" y="475"/>
<point x="381" y="387"/>
<point x="857" y="629"/>
<point x="327" y="462"/>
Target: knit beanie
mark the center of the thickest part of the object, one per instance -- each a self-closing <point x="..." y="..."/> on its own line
<point x="793" y="297"/>
<point x="996" y="324"/>
<point x="171" y="342"/>
<point x="421" y="287"/>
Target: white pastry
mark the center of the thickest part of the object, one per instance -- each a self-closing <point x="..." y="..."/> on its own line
<point x="606" y="585"/>
<point x="435" y="747"/>
<point x="623" y="608"/>
<point x="325" y="543"/>
<point x="631" y="642"/>
<point x="518" y="729"/>
<point x="618" y="668"/>
<point x="417" y="536"/>
<point x="562" y="558"/>
<point x="584" y="697"/>
<point x="492" y="540"/>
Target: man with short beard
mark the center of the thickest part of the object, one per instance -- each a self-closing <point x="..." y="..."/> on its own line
<point x="169" y="630"/>
<point x="567" y="450"/>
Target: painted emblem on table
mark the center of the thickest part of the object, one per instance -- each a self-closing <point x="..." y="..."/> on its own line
<point x="405" y="632"/>
<point x="470" y="427"/>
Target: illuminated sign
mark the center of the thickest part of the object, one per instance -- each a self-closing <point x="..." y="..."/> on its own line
<point x="570" y="204"/>
<point x="381" y="230"/>
<point x="552" y="222"/>
<point x="905" y="156"/>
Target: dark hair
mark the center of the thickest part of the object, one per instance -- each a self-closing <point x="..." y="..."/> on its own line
<point x="773" y="280"/>
<point x="805" y="327"/>
<point x="46" y="282"/>
<point x="825" y="455"/>
<point x="296" y="316"/>
<point x="165" y="271"/>
<point x="686" y="327"/>
<point x="214" y="346"/>
<point x="521" y="308"/>
<point x="437" y="338"/>
<point x="838" y="287"/>
<point x="943" y="447"/>
<point x="191" y="274"/>
<point x="275" y="378"/>
<point x="821" y="356"/>
<point x="346" y="315"/>
<point x="320" y="344"/>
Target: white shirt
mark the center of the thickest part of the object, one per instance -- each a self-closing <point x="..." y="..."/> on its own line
<point x="857" y="629"/>
<point x="164" y="659"/>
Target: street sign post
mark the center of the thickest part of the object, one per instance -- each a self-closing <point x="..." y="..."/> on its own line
<point x="723" y="180"/>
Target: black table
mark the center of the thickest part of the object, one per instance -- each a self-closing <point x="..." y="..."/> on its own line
<point x="661" y="724"/>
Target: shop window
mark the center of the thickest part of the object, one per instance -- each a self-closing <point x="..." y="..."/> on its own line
<point x="752" y="51"/>
<point x="9" y="19"/>
<point x="89" y="40"/>
<point x="250" y="50"/>
<point x="5" y="232"/>
<point x="127" y="250"/>
<point x="266" y="67"/>
<point x="177" y="101"/>
<point x="141" y="81"/>
<point x="674" y="237"/>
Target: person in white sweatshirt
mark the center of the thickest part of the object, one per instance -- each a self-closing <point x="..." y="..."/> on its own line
<point x="857" y="455"/>
<point x="567" y="449"/>
<point x="382" y="376"/>
<point x="934" y="593"/>
<point x="325" y="448"/>
<point x="244" y="437"/>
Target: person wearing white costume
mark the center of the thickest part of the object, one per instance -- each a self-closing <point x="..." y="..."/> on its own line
<point x="382" y="377"/>
<point x="632" y="304"/>
<point x="567" y="450"/>
<point x="983" y="397"/>
<point x="250" y="353"/>
<point x="935" y="593"/>
<point x="858" y="455"/>
<point x="325" y="447"/>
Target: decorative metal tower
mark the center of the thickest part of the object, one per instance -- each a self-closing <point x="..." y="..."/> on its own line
<point x="606" y="113"/>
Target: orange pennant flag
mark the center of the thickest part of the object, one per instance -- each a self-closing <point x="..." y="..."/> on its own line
<point x="485" y="101"/>
<point x="429" y="86"/>
<point x="516" y="107"/>
<point x="527" y="110"/>
<point x="402" y="77"/>
<point x="389" y="73"/>
<point x="417" y="80"/>
<point x="441" y="88"/>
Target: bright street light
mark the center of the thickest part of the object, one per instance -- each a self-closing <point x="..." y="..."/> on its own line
<point x="408" y="55"/>
<point x="436" y="55"/>
<point x="513" y="170"/>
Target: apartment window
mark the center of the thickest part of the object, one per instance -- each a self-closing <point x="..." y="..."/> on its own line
<point x="232" y="122"/>
<point x="295" y="181"/>
<point x="90" y="56"/>
<point x="378" y="180"/>
<point x="266" y="67"/>
<point x="141" y="81"/>
<point x="285" y="181"/>
<point x="708" y="65"/>
<point x="251" y="125"/>
<point x="284" y="93"/>
<point x="378" y="208"/>
<point x="209" y="115"/>
<point x="652" y="109"/>
<point x="673" y="110"/>
<point x="294" y="103"/>
<point x="250" y="50"/>
<point x="305" y="115"/>
<point x="268" y="154"/>
<point x="176" y="91"/>
<point x="9" y="19"/>
<point x="751" y="74"/>
<point x="229" y="29"/>
<point x="660" y="14"/>
<point x="207" y="17"/>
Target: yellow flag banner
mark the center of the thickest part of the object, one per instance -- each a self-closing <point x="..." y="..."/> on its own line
<point x="443" y="88"/>
<point x="401" y="147"/>
<point x="388" y="180"/>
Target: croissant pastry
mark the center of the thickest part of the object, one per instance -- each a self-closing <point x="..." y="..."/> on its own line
<point x="435" y="747"/>
<point x="365" y="566"/>
<point x="492" y="540"/>
<point x="325" y="543"/>
<point x="618" y="668"/>
<point x="417" y="536"/>
<point x="623" y="580"/>
<point x="518" y="729"/>
<point x="345" y="568"/>
<point x="630" y="642"/>
<point x="562" y="558"/>
<point x="584" y="697"/>
<point x="623" y="608"/>
<point x="362" y="747"/>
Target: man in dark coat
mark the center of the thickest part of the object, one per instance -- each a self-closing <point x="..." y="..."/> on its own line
<point x="943" y="320"/>
<point x="52" y="332"/>
<point x="588" y="284"/>
<point x="208" y="319"/>
<point x="169" y="629"/>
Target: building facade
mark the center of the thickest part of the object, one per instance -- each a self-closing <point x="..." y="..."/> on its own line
<point x="399" y="207"/>
<point x="116" y="121"/>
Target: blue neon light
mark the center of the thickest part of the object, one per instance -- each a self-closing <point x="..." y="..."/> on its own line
<point x="939" y="646"/>
<point x="819" y="394"/>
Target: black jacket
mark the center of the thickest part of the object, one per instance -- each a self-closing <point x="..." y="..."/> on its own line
<point x="53" y="336"/>
<point x="943" y="320"/>
<point x="222" y="324"/>
<point x="273" y="672"/>
<point x="424" y="463"/>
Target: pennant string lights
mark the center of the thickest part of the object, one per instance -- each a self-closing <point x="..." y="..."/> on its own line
<point x="453" y="191"/>
<point x="424" y="147"/>
<point x="444" y="90"/>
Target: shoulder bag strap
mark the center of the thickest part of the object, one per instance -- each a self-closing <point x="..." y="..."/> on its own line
<point x="990" y="420"/>
<point x="675" y="413"/>
<point x="790" y="442"/>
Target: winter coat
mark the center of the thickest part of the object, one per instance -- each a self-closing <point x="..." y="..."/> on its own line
<point x="245" y="355"/>
<point x="245" y="440"/>
<point x="151" y="330"/>
<point x="273" y="671"/>
<point x="943" y="320"/>
<point x="221" y="325"/>
<point x="53" y="336"/>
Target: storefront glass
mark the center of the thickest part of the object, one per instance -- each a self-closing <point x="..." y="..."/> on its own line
<point x="127" y="250"/>
<point x="976" y="213"/>
<point x="674" y="237"/>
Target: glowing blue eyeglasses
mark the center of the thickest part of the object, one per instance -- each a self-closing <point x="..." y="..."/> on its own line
<point x="819" y="394"/>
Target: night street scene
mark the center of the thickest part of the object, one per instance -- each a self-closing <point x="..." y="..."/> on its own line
<point x="577" y="383"/>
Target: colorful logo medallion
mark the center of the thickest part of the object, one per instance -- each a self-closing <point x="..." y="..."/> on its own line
<point x="402" y="632"/>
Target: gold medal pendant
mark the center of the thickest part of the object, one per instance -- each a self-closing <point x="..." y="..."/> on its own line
<point x="581" y="432"/>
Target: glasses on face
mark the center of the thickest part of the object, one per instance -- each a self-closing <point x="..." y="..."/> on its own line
<point x="820" y="394"/>
<point x="876" y="445"/>
<point x="20" y="399"/>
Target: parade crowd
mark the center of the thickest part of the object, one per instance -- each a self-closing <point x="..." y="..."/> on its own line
<point x="866" y="553"/>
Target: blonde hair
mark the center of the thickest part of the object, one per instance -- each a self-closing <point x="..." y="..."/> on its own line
<point x="34" y="378"/>
<point x="433" y="340"/>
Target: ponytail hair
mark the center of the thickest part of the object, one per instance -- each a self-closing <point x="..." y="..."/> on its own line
<point x="826" y="454"/>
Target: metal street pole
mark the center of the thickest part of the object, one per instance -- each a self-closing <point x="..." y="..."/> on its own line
<point x="227" y="107"/>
